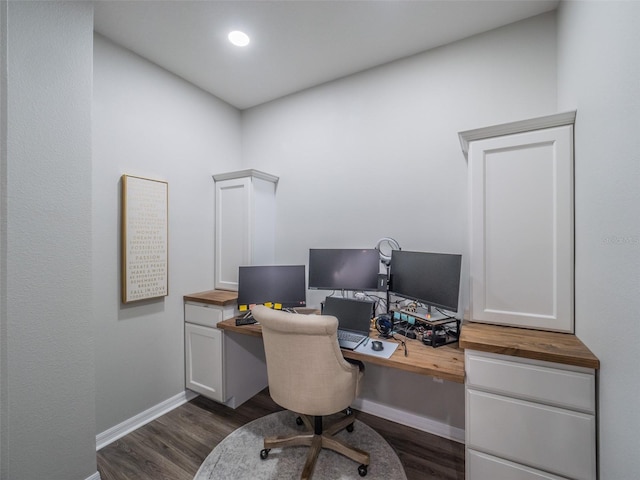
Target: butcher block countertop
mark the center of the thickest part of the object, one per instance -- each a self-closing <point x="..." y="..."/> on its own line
<point x="563" y="348"/>
<point x="214" y="297"/>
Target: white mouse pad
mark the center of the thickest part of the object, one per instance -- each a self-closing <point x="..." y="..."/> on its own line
<point x="386" y="352"/>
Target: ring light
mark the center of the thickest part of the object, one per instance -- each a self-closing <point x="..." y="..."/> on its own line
<point x="391" y="244"/>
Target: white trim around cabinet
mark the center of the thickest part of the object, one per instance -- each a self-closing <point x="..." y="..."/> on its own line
<point x="246" y="173"/>
<point x="548" y="121"/>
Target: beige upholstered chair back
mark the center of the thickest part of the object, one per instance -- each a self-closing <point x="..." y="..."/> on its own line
<point x="307" y="372"/>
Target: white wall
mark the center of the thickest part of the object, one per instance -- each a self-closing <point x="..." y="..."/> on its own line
<point x="48" y="421"/>
<point x="148" y="122"/>
<point x="377" y="154"/>
<point x="4" y="376"/>
<point x="372" y="155"/>
<point x="599" y="76"/>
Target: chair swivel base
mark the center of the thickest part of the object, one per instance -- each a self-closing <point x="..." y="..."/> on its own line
<point x="317" y="439"/>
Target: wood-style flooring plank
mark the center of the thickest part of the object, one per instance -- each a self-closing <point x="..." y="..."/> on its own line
<point x="423" y="455"/>
<point x="173" y="446"/>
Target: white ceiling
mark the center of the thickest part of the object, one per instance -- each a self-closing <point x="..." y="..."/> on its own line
<point x="295" y="44"/>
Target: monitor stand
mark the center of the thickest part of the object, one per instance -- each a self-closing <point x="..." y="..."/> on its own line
<point x="428" y="314"/>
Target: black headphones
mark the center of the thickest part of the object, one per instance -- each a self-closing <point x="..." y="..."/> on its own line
<point x="384" y="324"/>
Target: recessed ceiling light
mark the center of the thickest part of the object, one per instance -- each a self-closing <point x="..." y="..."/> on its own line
<point x="238" y="38"/>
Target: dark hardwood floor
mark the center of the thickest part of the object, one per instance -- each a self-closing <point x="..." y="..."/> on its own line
<point x="173" y="446"/>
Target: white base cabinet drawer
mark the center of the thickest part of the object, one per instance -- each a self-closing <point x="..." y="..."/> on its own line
<point x="488" y="467"/>
<point x="206" y="315"/>
<point x="541" y="436"/>
<point x="567" y="387"/>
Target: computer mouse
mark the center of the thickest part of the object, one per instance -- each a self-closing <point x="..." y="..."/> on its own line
<point x="377" y="345"/>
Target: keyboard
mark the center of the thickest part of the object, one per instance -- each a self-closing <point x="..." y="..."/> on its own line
<point x="245" y="321"/>
<point x="349" y="336"/>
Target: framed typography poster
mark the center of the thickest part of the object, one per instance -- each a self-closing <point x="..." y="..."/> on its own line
<point x="144" y="237"/>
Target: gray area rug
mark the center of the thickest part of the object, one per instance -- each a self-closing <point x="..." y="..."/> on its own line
<point x="237" y="457"/>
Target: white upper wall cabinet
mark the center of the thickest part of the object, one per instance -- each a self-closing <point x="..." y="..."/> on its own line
<point x="245" y="210"/>
<point x="521" y="223"/>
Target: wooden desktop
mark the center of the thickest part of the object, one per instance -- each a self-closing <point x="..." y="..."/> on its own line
<point x="445" y="362"/>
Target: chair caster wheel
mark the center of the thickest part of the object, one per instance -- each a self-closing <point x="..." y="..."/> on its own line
<point x="350" y="428"/>
<point x="348" y="411"/>
<point x="362" y="470"/>
<point x="299" y="421"/>
<point x="264" y="453"/>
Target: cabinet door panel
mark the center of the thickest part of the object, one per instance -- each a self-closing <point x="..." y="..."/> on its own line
<point x="232" y="231"/>
<point x="204" y="354"/>
<point x="542" y="437"/>
<point x="521" y="260"/>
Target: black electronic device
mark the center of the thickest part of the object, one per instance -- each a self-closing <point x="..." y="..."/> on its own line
<point x="245" y="320"/>
<point x="354" y="319"/>
<point x="377" y="345"/>
<point x="281" y="285"/>
<point x="383" y="280"/>
<point x="432" y="279"/>
<point x="405" y="332"/>
<point x="441" y="333"/>
<point x="344" y="269"/>
<point x="384" y="325"/>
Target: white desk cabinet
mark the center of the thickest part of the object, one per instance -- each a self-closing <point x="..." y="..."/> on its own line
<point x="204" y="361"/>
<point x="528" y="419"/>
<point x="221" y="367"/>
<point x="521" y="223"/>
<point x="245" y="208"/>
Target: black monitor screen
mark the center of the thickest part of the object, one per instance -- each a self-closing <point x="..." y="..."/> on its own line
<point x="343" y="269"/>
<point x="278" y="284"/>
<point x="429" y="278"/>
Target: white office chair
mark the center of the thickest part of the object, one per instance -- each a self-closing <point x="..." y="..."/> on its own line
<point x="309" y="376"/>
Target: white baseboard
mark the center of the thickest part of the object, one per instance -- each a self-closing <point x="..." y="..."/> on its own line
<point x="114" y="433"/>
<point x="95" y="476"/>
<point x="410" y="419"/>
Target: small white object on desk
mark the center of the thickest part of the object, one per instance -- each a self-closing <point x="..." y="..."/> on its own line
<point x="386" y="352"/>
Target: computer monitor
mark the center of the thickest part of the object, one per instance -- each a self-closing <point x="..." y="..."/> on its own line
<point x="432" y="279"/>
<point x="343" y="269"/>
<point x="277" y="284"/>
